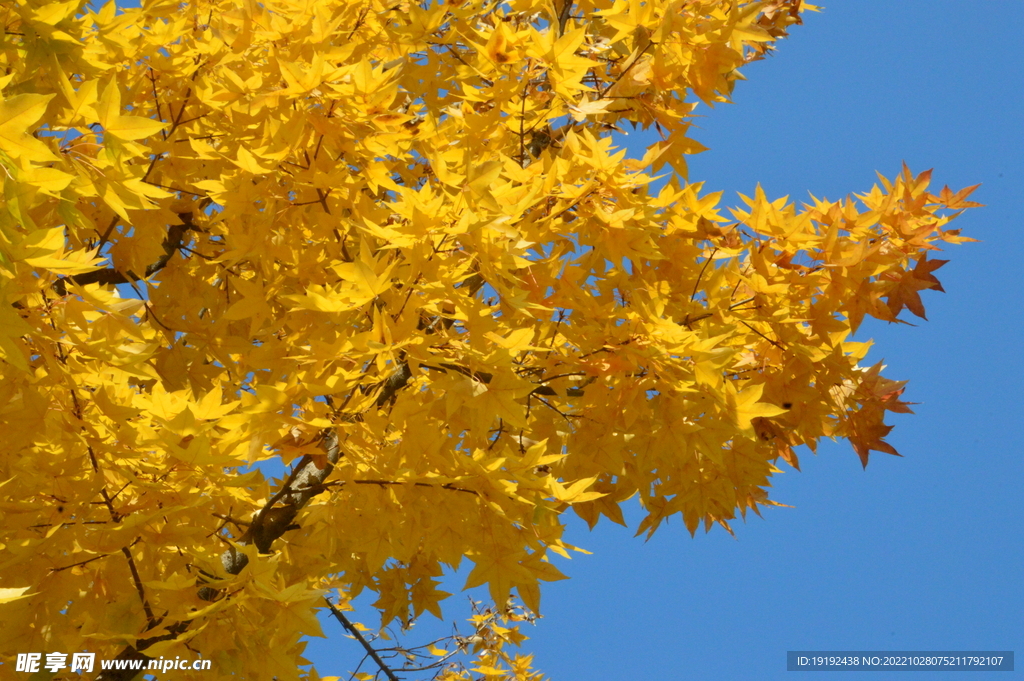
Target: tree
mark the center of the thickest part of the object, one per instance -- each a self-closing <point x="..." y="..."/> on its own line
<point x="393" y="247"/>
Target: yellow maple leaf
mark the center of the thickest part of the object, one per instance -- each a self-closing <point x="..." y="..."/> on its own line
<point x="17" y="116"/>
<point x="745" y="405"/>
<point x="118" y="125"/>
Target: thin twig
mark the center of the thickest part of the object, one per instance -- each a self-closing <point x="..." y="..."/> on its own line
<point x="444" y="485"/>
<point x="359" y="637"/>
<point x="84" y="562"/>
<point x="701" y="275"/>
<point x="625" y="70"/>
<point x="775" y="343"/>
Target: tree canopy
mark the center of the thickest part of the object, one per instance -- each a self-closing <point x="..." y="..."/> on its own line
<point x="394" y="247"/>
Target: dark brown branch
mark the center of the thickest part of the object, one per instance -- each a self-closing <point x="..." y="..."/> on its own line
<point x="304" y="483"/>
<point x="485" y="377"/>
<point x="522" y="133"/>
<point x="69" y="524"/>
<point x="393" y="383"/>
<point x="359" y="22"/>
<point x="775" y="343"/>
<point x="156" y="96"/>
<point x="687" y="321"/>
<point x="359" y="637"/>
<point x="175" y="189"/>
<point x="137" y="581"/>
<point x="696" y="284"/>
<point x="443" y="485"/>
<point x="79" y="564"/>
<point x="556" y="410"/>
<point x="563" y="15"/>
<point x="106" y="235"/>
<point x="233" y="521"/>
<point x="111" y="276"/>
<point x="133" y="653"/>
<point x="625" y="70"/>
<point x="573" y="204"/>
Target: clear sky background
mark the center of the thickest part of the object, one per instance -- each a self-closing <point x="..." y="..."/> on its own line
<point x="924" y="552"/>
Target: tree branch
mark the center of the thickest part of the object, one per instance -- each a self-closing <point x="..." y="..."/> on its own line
<point x="305" y="482"/>
<point x="109" y="275"/>
<point x="270" y="523"/>
<point x="563" y="15"/>
<point x="359" y="637"/>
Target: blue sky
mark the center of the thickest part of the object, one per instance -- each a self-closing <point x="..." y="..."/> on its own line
<point x="923" y="552"/>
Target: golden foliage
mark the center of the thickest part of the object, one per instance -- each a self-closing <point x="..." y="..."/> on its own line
<point x="394" y="246"/>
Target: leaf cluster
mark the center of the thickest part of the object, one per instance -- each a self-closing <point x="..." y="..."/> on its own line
<point x="392" y="247"/>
